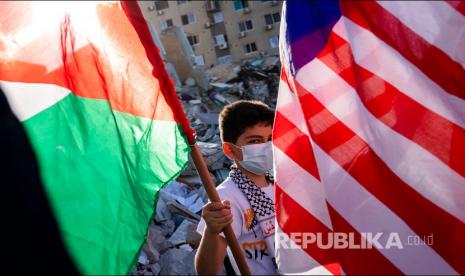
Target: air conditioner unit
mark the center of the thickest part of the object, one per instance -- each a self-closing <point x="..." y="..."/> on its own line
<point x="223" y="46"/>
<point x="242" y="34"/>
<point x="247" y="10"/>
<point x="160" y="12"/>
<point x="268" y="27"/>
<point x="274" y="3"/>
<point x="151" y="8"/>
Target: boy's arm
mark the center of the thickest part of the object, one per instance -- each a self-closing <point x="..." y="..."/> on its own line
<point x="210" y="255"/>
<point x="212" y="249"/>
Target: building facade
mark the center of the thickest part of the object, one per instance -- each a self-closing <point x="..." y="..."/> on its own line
<point x="219" y="31"/>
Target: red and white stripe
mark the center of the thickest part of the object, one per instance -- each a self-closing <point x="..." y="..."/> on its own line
<point x="370" y="137"/>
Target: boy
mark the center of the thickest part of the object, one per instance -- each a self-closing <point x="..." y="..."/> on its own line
<point x="247" y="194"/>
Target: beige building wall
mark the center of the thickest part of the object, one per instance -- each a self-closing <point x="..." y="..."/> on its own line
<point x="259" y="34"/>
<point x="231" y="18"/>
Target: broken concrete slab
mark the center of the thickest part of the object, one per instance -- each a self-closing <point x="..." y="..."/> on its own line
<point x="157" y="233"/>
<point x="186" y="232"/>
<point x="183" y="193"/>
<point x="161" y="211"/>
<point x="152" y="254"/>
<point x="223" y="72"/>
<point x="177" y="261"/>
<point x="177" y="208"/>
<point x="155" y="268"/>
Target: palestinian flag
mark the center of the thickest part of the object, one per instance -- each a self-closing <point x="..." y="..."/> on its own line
<point x="91" y="90"/>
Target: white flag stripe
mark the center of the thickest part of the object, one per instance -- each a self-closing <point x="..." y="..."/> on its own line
<point x="435" y="21"/>
<point x="301" y="186"/>
<point x="297" y="261"/>
<point x="287" y="105"/>
<point x="284" y="49"/>
<point x="359" y="208"/>
<point x="414" y="165"/>
<point x="376" y="56"/>
<point x="29" y="99"/>
<point x="304" y="188"/>
<point x="367" y="214"/>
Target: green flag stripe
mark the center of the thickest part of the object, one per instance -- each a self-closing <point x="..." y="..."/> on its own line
<point x="102" y="170"/>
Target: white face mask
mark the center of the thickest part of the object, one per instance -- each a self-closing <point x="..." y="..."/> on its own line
<point x="257" y="158"/>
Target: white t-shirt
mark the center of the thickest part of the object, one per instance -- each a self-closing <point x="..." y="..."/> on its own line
<point x="252" y="242"/>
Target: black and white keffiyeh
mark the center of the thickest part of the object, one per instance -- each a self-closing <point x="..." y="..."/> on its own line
<point x="262" y="205"/>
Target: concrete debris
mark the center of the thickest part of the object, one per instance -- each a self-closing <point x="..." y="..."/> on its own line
<point x="186" y="234"/>
<point x="143" y="259"/>
<point x="208" y="118"/>
<point x="223" y="72"/>
<point x="179" y="209"/>
<point x="190" y="82"/>
<point x="222" y="86"/>
<point x="213" y="156"/>
<point x="161" y="212"/>
<point x="156" y="238"/>
<point x="180" y="192"/>
<point x="221" y="174"/>
<point x="151" y="254"/>
<point x="155" y="268"/>
<point x="172" y="239"/>
<point x="177" y="261"/>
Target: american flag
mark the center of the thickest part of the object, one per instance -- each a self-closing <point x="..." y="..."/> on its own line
<point x="369" y="136"/>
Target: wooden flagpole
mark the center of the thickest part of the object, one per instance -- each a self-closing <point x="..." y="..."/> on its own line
<point x="210" y="188"/>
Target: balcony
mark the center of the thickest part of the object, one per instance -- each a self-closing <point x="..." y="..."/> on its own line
<point x="212" y="6"/>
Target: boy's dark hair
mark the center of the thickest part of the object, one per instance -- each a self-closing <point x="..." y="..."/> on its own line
<point x="238" y="116"/>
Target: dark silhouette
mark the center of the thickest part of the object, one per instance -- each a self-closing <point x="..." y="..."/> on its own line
<point x="32" y="241"/>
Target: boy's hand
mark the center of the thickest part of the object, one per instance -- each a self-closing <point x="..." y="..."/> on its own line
<point x="217" y="216"/>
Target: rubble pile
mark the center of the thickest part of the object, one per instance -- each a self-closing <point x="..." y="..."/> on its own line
<point x="172" y="239"/>
<point x="253" y="79"/>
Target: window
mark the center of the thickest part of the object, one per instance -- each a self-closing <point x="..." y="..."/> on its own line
<point x="198" y="60"/>
<point x="276" y="17"/>
<point x="180" y="2"/>
<point x="193" y="40"/>
<point x="270" y="19"/>
<point x="218" y="16"/>
<point x="240" y="4"/>
<point x="165" y="24"/>
<point x="245" y="26"/>
<point x="225" y="59"/>
<point x="220" y="39"/>
<point x="274" y="41"/>
<point x="188" y="19"/>
<point x="161" y="5"/>
<point x="250" y="48"/>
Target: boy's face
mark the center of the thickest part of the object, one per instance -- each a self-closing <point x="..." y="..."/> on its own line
<point x="259" y="133"/>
